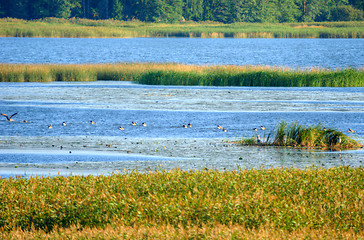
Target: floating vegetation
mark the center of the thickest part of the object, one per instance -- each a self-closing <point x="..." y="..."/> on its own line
<point x="297" y="135"/>
<point x="180" y="74"/>
<point x="287" y="201"/>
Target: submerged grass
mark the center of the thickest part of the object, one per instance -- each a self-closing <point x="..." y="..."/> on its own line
<point x="179" y="74"/>
<point x="187" y="204"/>
<point x="74" y="27"/>
<point x="298" y="135"/>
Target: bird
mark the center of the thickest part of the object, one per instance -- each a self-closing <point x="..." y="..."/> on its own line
<point x="262" y="127"/>
<point x="121" y="128"/>
<point x="25" y="121"/>
<point x="224" y="130"/>
<point x="92" y="122"/>
<point x="64" y="124"/>
<point x="189" y="125"/>
<point x="351" y="130"/>
<point x="133" y="123"/>
<point x="255" y="129"/>
<point x="185" y="126"/>
<point x="50" y="126"/>
<point x="144" y="124"/>
<point x="219" y="127"/>
<point x="9" y="118"/>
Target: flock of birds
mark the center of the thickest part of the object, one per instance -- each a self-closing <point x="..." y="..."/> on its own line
<point x="189" y="125"/>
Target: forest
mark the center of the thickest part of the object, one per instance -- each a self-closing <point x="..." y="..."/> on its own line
<point x="172" y="11"/>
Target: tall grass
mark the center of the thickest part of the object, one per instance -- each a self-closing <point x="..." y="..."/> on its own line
<point x="54" y="27"/>
<point x="179" y="74"/>
<point x="299" y="135"/>
<point x="283" y="200"/>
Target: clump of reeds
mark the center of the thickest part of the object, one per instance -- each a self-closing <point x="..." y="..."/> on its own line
<point x="180" y="74"/>
<point x="75" y="27"/>
<point x="285" y="200"/>
<point x="299" y="135"/>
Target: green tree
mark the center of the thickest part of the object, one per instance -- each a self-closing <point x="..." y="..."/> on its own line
<point x="117" y="10"/>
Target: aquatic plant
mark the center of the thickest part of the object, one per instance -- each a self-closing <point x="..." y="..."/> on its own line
<point x="84" y="28"/>
<point x="282" y="200"/>
<point x="180" y="74"/>
<point x="299" y="135"/>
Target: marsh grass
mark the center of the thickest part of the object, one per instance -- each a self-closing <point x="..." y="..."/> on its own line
<point x="74" y="27"/>
<point x="179" y="74"/>
<point x="299" y="135"/>
<point x="203" y="202"/>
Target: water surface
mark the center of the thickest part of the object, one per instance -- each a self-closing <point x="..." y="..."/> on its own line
<point x="84" y="148"/>
<point x="294" y="53"/>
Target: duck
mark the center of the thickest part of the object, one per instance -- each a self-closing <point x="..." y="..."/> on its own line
<point x="121" y="128"/>
<point x="92" y="122"/>
<point x="144" y="124"/>
<point x="50" y="126"/>
<point x="255" y="129"/>
<point x="184" y="126"/>
<point x="133" y="123"/>
<point x="224" y="130"/>
<point x="64" y="124"/>
<point x="189" y="125"/>
<point x="9" y="118"/>
<point x="262" y="127"/>
<point x="219" y="127"/>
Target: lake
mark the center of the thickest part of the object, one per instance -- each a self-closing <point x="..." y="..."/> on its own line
<point x="31" y="148"/>
<point x="293" y="53"/>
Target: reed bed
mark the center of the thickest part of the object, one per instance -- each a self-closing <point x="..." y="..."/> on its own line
<point x="187" y="204"/>
<point x="179" y="74"/>
<point x="299" y="135"/>
<point x="75" y="28"/>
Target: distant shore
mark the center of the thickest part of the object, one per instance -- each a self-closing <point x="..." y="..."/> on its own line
<point x="84" y="28"/>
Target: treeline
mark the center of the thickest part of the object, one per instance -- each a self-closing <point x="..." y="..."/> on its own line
<point x="226" y="11"/>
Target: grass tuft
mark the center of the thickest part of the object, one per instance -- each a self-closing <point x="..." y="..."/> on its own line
<point x="297" y="135"/>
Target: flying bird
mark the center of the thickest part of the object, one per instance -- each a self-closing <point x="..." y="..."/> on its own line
<point x="9" y="118"/>
<point x="351" y="130"/>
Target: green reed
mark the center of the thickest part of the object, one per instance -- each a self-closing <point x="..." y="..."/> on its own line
<point x="179" y="74"/>
<point x="74" y="27"/>
<point x="285" y="199"/>
<point x="299" y="135"/>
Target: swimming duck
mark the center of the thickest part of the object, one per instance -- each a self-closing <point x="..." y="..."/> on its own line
<point x="133" y="123"/>
<point x="262" y="127"/>
<point x="50" y="126"/>
<point x="144" y="124"/>
<point x="121" y="128"/>
<point x="92" y="122"/>
<point x="219" y="127"/>
<point x="189" y="125"/>
<point x="224" y="130"/>
<point x="64" y="124"/>
<point x="184" y="126"/>
<point x="255" y="129"/>
<point x="9" y="118"/>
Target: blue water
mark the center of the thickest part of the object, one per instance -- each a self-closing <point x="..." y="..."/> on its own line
<point x="294" y="53"/>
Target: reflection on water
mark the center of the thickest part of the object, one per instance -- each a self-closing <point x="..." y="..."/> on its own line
<point x="165" y="110"/>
